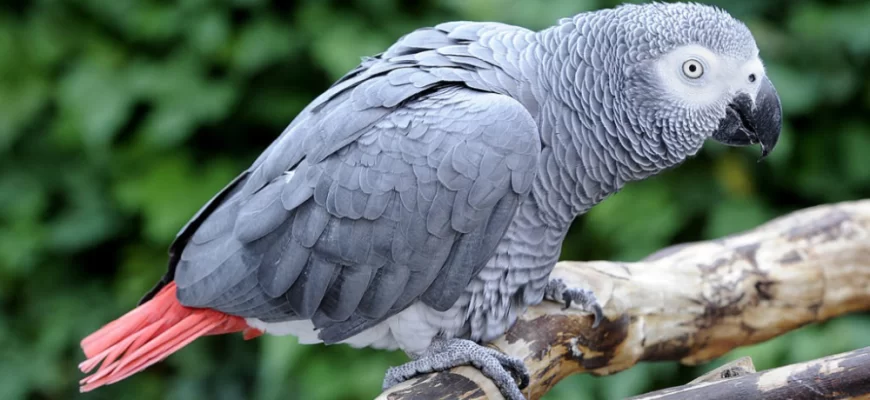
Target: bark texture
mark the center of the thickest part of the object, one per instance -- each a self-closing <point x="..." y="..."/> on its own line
<point x="841" y="376"/>
<point x="691" y="302"/>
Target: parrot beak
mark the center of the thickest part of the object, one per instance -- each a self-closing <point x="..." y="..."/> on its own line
<point x="747" y="122"/>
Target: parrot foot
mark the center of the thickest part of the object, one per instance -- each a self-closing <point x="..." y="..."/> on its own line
<point x="559" y="292"/>
<point x="508" y="373"/>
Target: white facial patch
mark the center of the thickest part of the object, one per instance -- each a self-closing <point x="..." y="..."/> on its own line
<point x="696" y="77"/>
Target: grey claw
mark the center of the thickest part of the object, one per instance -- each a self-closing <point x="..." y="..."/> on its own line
<point x="518" y="371"/>
<point x="598" y="315"/>
<point x="567" y="299"/>
<point x="585" y="298"/>
<point x="508" y="373"/>
<point x="597" y="312"/>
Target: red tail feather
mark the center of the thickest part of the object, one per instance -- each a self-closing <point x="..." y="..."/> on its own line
<point x="149" y="333"/>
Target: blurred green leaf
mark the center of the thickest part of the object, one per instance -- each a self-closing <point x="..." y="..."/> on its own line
<point x="528" y="13"/>
<point x="210" y="33"/>
<point x="94" y="102"/>
<point x="638" y="220"/>
<point x="20" y="243"/>
<point x="798" y="90"/>
<point x="845" y="23"/>
<point x="733" y="215"/>
<point x="183" y="98"/>
<point x="632" y="381"/>
<point x="20" y="101"/>
<point x="170" y="193"/>
<point x="339" y="47"/>
<point x="264" y="42"/>
<point x="579" y="387"/>
<point x="279" y="354"/>
<point x="855" y="148"/>
<point x="87" y="220"/>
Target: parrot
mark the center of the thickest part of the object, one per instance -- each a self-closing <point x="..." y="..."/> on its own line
<point x="421" y="202"/>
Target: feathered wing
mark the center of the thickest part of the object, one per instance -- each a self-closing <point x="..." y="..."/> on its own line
<point x="423" y="60"/>
<point x="394" y="185"/>
<point x="409" y="210"/>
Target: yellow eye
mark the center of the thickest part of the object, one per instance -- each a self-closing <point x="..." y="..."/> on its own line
<point x="693" y="69"/>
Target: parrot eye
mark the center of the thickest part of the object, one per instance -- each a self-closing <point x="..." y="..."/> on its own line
<point x="751" y="78"/>
<point x="693" y="69"/>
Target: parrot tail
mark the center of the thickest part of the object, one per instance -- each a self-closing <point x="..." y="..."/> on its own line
<point x="148" y="334"/>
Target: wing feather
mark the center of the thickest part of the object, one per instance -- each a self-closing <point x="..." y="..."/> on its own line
<point x="394" y="186"/>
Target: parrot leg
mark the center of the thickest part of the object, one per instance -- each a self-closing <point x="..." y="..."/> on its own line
<point x="559" y="292"/>
<point x="508" y="373"/>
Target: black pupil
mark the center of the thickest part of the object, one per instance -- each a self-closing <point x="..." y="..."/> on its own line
<point x="693" y="67"/>
<point x="751" y="77"/>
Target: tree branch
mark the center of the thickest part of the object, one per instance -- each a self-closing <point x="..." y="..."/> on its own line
<point x="691" y="302"/>
<point x="841" y="376"/>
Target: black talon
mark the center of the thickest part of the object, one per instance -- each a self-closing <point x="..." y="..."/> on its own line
<point x="573" y="295"/>
<point x="599" y="315"/>
<point x="567" y="298"/>
<point x="522" y="379"/>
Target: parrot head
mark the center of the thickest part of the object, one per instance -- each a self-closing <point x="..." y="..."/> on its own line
<point x="692" y="72"/>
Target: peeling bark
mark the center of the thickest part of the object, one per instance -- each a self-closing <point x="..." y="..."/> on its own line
<point x="691" y="303"/>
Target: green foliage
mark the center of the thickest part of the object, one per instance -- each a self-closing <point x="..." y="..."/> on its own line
<point x="118" y="119"/>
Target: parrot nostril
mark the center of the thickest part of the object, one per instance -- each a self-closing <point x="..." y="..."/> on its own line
<point x="751" y="77"/>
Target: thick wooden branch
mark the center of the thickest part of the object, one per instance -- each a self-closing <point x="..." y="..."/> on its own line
<point x="691" y="303"/>
<point x="841" y="376"/>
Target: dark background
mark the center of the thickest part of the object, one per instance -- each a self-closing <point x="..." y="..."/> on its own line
<point x="118" y="119"/>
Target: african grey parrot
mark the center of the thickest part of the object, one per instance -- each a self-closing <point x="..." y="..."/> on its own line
<point x="420" y="203"/>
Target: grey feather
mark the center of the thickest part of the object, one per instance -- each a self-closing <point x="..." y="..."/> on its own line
<point x="309" y="223"/>
<point x="345" y="293"/>
<point x="307" y="292"/>
<point x="261" y="214"/>
<point x="218" y="224"/>
<point x="282" y="264"/>
<point x="386" y="287"/>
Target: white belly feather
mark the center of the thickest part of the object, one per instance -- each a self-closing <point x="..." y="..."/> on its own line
<point x="411" y="330"/>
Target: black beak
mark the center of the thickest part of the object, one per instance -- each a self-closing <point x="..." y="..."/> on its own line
<point x="748" y="123"/>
